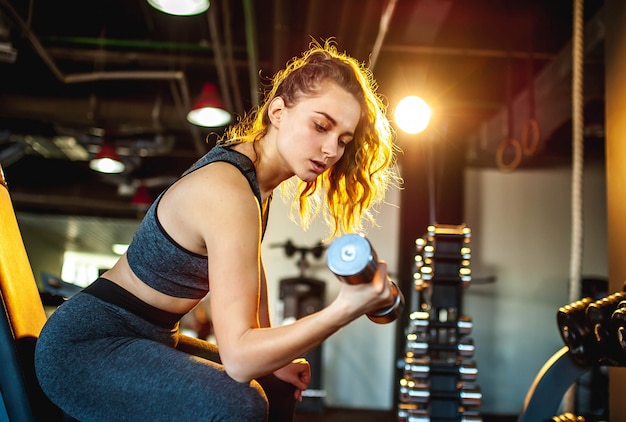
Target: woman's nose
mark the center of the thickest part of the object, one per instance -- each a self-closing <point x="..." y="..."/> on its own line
<point x="330" y="146"/>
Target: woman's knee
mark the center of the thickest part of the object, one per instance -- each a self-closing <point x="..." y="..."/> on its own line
<point x="250" y="404"/>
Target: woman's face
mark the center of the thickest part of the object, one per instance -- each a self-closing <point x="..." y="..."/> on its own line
<point x="313" y="133"/>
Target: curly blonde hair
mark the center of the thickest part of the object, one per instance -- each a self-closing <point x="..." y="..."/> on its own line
<point x="361" y="177"/>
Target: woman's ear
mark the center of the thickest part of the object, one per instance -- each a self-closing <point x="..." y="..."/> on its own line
<point x="275" y="110"/>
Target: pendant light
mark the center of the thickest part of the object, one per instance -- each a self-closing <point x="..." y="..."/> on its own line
<point x="107" y="160"/>
<point x="142" y="198"/>
<point x="180" y="7"/>
<point x="209" y="109"/>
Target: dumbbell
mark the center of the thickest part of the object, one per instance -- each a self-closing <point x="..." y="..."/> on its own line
<point x="599" y="318"/>
<point x="618" y="322"/>
<point x="576" y="333"/>
<point x="353" y="260"/>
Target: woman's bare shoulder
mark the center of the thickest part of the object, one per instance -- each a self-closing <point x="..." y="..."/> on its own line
<point x="208" y="203"/>
<point x="219" y="180"/>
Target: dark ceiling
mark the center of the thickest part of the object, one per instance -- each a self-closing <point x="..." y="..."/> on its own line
<point x="76" y="72"/>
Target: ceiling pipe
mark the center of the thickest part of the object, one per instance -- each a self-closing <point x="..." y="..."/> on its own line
<point x="219" y="58"/>
<point x="230" y="58"/>
<point x="466" y="52"/>
<point x="382" y="32"/>
<point x="346" y="17"/>
<point x="73" y="203"/>
<point x="126" y="75"/>
<point x="116" y="110"/>
<point x="110" y="75"/>
<point x="128" y="57"/>
<point x="281" y="34"/>
<point x="12" y="154"/>
<point x="133" y="44"/>
<point x="354" y="38"/>
<point x="252" y="51"/>
<point x="312" y="12"/>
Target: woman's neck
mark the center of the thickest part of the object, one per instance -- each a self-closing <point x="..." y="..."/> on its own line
<point x="270" y="168"/>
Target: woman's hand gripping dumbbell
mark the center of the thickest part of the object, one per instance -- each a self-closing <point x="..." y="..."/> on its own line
<point x="353" y="260"/>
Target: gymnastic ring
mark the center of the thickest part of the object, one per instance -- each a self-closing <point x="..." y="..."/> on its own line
<point x="530" y="148"/>
<point x="517" y="159"/>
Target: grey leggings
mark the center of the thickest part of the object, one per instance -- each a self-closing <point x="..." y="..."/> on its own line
<point x="101" y="362"/>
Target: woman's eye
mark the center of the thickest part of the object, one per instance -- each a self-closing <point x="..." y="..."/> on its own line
<point x="319" y="127"/>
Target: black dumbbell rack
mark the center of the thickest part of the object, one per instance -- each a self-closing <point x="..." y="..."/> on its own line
<point x="438" y="383"/>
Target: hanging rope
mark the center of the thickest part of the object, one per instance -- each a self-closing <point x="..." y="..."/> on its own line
<point x="577" y="153"/>
<point x="569" y="401"/>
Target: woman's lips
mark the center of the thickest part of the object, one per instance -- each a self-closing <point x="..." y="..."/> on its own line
<point x="318" y="166"/>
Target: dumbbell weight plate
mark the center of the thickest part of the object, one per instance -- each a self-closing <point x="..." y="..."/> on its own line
<point x="352" y="259"/>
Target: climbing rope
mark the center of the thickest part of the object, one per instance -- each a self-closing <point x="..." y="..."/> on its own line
<point x="577" y="153"/>
<point x="577" y="172"/>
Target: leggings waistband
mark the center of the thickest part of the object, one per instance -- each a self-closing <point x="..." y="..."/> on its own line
<point x="104" y="289"/>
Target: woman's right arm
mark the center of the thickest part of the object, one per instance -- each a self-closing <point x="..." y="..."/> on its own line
<point x="232" y="231"/>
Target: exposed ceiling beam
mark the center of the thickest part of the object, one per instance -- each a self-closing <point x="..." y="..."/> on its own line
<point x="183" y="105"/>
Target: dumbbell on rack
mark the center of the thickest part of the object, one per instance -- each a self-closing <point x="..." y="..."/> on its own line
<point x="353" y="260"/>
<point x="423" y="367"/>
<point x="568" y="417"/>
<point x="590" y="330"/>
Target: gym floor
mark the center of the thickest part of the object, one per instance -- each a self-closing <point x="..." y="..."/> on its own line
<point x="343" y="415"/>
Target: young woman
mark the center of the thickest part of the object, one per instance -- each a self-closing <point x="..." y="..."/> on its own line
<point x="113" y="351"/>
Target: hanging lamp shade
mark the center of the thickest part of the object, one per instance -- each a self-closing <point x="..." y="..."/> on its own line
<point x="209" y="110"/>
<point x="142" y="198"/>
<point x="180" y="7"/>
<point x="107" y="160"/>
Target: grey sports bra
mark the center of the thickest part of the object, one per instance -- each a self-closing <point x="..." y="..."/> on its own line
<point x="162" y="263"/>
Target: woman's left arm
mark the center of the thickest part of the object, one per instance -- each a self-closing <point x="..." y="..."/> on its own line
<point x="298" y="372"/>
<point x="264" y="306"/>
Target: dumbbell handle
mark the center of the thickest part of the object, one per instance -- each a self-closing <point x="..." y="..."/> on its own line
<point x="353" y="260"/>
<point x="390" y="314"/>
